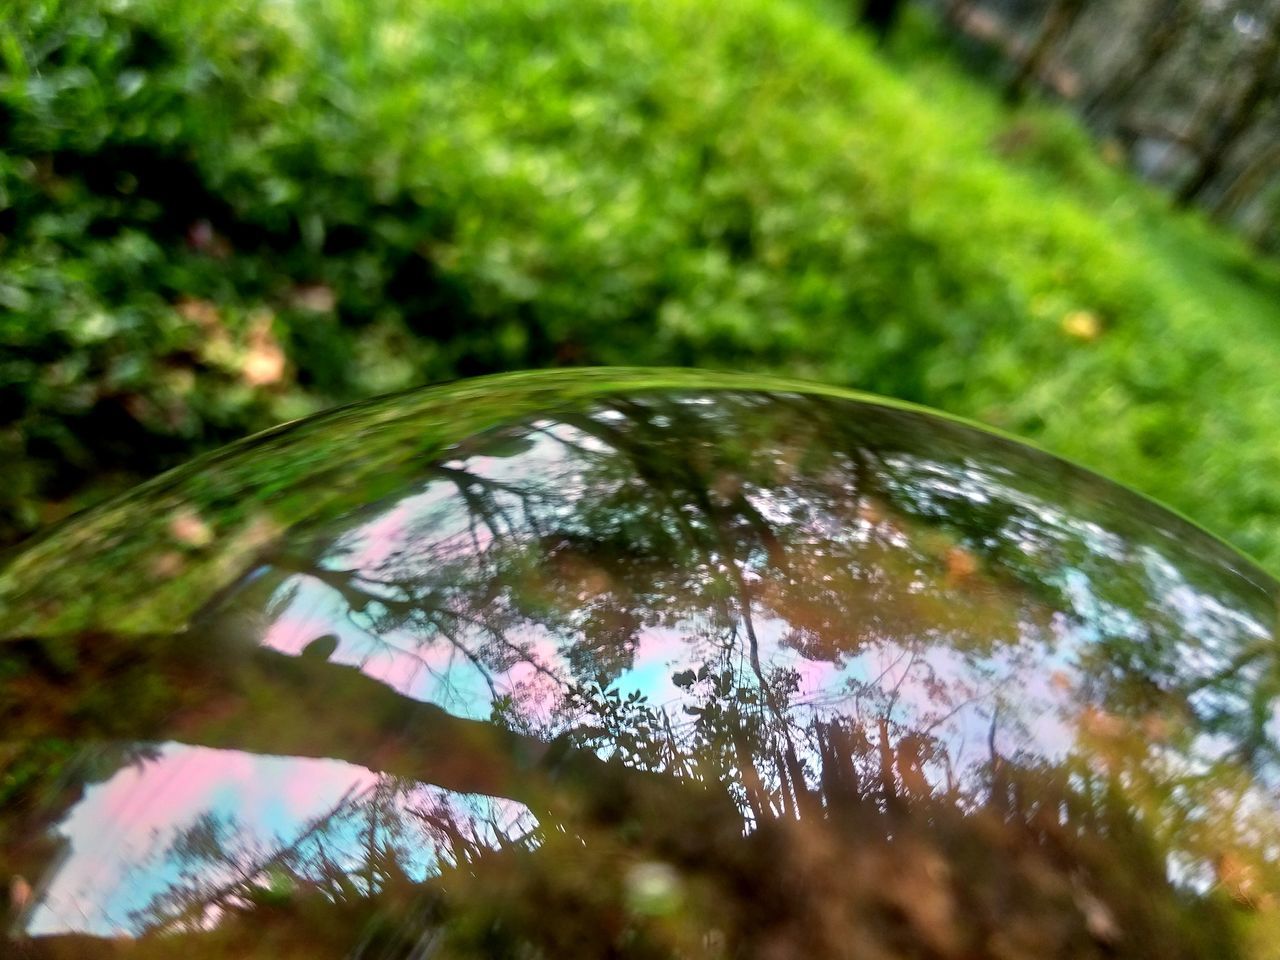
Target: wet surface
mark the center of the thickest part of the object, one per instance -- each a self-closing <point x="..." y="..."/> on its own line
<point x="637" y="665"/>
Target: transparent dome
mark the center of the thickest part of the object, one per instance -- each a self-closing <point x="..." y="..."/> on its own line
<point x="637" y="664"/>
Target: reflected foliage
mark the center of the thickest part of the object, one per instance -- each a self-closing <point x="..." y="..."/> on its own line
<point x="656" y="673"/>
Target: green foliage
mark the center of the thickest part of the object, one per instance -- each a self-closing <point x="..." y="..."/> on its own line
<point x="218" y="216"/>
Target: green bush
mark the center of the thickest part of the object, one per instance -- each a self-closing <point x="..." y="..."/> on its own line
<point x="217" y="216"/>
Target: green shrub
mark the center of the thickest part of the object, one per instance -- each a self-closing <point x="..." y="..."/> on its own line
<point x="217" y="216"/>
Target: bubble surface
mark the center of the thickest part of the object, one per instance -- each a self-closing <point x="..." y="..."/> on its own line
<point x="637" y="664"/>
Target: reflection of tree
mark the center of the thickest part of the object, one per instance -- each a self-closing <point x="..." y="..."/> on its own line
<point x="763" y="537"/>
<point x="221" y="870"/>
<point x="366" y="846"/>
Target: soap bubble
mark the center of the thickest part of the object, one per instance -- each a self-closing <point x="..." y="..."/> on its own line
<point x="636" y="664"/>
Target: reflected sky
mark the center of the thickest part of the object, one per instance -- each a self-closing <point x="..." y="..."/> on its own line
<point x="248" y="814"/>
<point x="943" y="675"/>
<point x="803" y="605"/>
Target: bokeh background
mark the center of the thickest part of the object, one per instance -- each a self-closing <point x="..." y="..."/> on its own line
<point x="1058" y="217"/>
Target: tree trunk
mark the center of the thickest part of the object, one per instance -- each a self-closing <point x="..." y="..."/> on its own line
<point x="880" y="17"/>
<point x="1160" y="34"/>
<point x="956" y="12"/>
<point x="1057" y="24"/>
<point x="1250" y="181"/>
<point x="1237" y="116"/>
